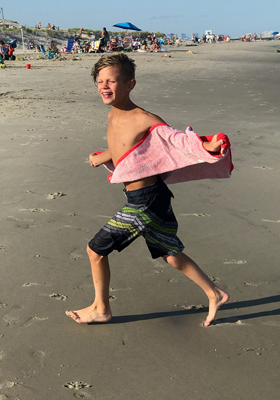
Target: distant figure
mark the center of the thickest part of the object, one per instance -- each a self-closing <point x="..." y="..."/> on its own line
<point x="2" y="52"/>
<point x="31" y="44"/>
<point x="49" y="26"/>
<point x="80" y="31"/>
<point x="39" y="25"/>
<point x="144" y="45"/>
<point x="155" y="46"/>
<point x="85" y="46"/>
<point x="104" y="39"/>
<point x="136" y="44"/>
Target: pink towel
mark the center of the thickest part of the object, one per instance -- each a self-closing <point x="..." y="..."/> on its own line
<point x="174" y="155"/>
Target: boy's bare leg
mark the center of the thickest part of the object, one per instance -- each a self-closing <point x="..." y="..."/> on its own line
<point x="100" y="310"/>
<point x="216" y="296"/>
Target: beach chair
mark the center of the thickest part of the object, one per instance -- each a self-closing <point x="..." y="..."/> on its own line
<point x="127" y="43"/>
<point x="113" y="46"/>
<point x="48" y="54"/>
<point x="97" y="45"/>
<point x="70" y="44"/>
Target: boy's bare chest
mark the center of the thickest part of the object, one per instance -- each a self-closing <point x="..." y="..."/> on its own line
<point x="121" y="139"/>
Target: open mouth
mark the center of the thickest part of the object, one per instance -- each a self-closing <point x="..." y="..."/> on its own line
<point x="107" y="95"/>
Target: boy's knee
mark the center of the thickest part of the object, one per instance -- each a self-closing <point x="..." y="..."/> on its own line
<point x="174" y="261"/>
<point x="92" y="255"/>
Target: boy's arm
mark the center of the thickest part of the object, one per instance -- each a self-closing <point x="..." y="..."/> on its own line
<point x="214" y="146"/>
<point x="97" y="159"/>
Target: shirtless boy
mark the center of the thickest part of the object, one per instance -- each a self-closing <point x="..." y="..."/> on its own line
<point x="148" y="199"/>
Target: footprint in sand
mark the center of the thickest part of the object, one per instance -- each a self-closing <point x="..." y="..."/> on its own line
<point x="39" y="356"/>
<point x="173" y="280"/>
<point x="78" y="385"/>
<point x="193" y="307"/>
<point x="75" y="256"/>
<point x="36" y="318"/>
<point x="81" y="395"/>
<point x="116" y="290"/>
<point x="58" y="296"/>
<point x="235" y="262"/>
<point x="28" y="284"/>
<point x="54" y="195"/>
<point x="7" y="385"/>
<point x="154" y="272"/>
<point x="11" y="319"/>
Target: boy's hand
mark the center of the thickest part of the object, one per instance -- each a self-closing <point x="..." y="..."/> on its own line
<point x="91" y="160"/>
<point x="214" y="146"/>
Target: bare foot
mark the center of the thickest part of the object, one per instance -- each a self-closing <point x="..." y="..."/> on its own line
<point x="90" y="314"/>
<point x="215" y="303"/>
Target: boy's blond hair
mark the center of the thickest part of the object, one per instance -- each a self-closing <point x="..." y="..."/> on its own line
<point x="121" y="60"/>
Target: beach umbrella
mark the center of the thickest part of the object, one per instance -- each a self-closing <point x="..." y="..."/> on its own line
<point x="275" y="33"/>
<point x="127" y="26"/>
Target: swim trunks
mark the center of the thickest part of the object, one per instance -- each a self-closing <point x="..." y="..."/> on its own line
<point x="148" y="213"/>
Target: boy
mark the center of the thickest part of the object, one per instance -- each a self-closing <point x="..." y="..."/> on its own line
<point x="148" y="211"/>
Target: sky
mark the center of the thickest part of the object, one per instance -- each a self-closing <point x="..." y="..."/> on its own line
<point x="181" y="16"/>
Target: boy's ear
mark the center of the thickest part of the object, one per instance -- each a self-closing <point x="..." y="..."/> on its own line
<point x="131" y="84"/>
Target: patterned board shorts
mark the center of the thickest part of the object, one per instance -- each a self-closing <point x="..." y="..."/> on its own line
<point x="147" y="213"/>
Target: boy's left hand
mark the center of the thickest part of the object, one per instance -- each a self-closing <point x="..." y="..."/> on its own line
<point x="214" y="146"/>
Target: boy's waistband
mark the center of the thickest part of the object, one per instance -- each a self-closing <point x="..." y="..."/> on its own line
<point x="146" y="191"/>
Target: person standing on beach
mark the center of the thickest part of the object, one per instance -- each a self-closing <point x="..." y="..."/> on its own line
<point x="104" y="39"/>
<point x="148" y="210"/>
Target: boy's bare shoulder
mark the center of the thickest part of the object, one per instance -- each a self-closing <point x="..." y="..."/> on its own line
<point x="144" y="119"/>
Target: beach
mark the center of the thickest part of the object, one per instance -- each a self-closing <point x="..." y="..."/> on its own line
<point x="53" y="202"/>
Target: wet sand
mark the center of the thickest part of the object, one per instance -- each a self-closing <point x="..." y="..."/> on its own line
<point x="52" y="203"/>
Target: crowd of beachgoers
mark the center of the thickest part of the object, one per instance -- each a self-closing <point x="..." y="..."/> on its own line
<point x="105" y="41"/>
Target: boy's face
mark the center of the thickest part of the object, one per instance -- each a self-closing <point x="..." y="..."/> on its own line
<point x="112" y="87"/>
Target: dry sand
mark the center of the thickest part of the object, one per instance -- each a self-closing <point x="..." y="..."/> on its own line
<point x="155" y="347"/>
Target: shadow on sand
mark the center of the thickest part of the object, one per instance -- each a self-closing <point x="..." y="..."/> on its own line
<point x="229" y="306"/>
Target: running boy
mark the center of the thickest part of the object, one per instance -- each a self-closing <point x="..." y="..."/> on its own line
<point x="148" y="211"/>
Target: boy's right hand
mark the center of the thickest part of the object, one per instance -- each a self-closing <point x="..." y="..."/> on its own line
<point x="91" y="160"/>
